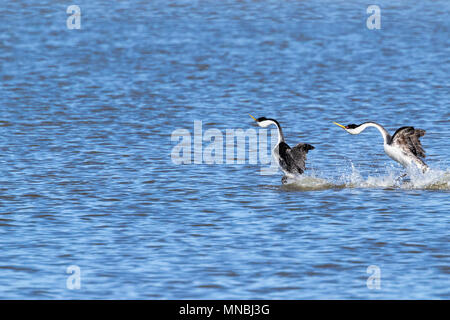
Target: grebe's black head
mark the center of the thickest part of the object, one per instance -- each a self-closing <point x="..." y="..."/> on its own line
<point x="351" y="128"/>
<point x="264" y="122"/>
<point x="259" y="119"/>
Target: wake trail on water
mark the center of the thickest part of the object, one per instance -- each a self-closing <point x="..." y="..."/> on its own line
<point x="434" y="179"/>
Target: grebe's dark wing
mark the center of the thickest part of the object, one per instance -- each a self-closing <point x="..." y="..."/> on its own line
<point x="408" y="139"/>
<point x="285" y="159"/>
<point x="298" y="154"/>
<point x="293" y="159"/>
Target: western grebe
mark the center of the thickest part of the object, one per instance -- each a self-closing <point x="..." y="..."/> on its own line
<point x="291" y="160"/>
<point x="404" y="146"/>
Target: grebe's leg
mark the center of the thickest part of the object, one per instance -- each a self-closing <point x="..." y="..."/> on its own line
<point x="401" y="177"/>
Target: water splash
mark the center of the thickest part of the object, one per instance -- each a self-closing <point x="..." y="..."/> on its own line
<point x="308" y="182"/>
<point x="392" y="178"/>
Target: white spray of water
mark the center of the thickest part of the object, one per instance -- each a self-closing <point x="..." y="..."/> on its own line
<point x="434" y="179"/>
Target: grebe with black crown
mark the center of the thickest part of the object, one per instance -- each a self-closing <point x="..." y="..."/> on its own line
<point x="404" y="146"/>
<point x="292" y="161"/>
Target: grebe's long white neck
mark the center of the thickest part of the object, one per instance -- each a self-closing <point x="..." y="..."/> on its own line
<point x="268" y="122"/>
<point x="364" y="126"/>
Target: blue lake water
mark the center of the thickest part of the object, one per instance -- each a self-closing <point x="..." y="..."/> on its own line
<point x="87" y="177"/>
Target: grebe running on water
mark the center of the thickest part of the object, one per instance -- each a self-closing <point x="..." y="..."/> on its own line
<point x="291" y="160"/>
<point x="404" y="146"/>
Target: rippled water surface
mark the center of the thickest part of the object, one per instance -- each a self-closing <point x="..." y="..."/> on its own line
<point x="87" y="178"/>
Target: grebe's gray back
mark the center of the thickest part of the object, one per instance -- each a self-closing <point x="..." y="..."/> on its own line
<point x="404" y="146"/>
<point x="291" y="160"/>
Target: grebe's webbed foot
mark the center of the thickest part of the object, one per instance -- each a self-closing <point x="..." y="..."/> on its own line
<point x="284" y="180"/>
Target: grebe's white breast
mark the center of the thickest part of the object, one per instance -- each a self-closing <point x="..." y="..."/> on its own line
<point x="276" y="153"/>
<point x="398" y="155"/>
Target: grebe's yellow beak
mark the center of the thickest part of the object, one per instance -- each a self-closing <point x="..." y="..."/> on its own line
<point x="340" y="125"/>
<point x="253" y="117"/>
